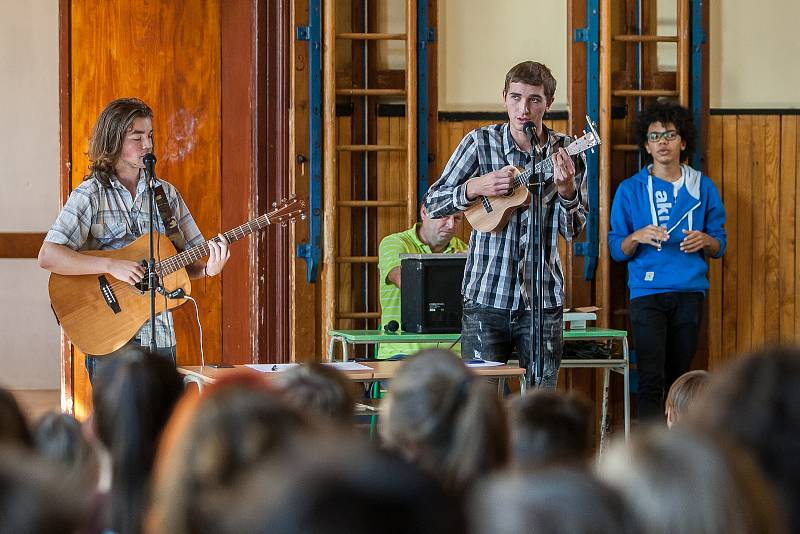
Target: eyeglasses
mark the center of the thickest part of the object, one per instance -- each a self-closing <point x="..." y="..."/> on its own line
<point x="669" y="135"/>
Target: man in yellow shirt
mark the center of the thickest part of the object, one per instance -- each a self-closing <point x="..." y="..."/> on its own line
<point x="425" y="237"/>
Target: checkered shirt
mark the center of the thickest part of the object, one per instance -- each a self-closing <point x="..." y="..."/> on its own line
<point x="495" y="267"/>
<point x="97" y="217"/>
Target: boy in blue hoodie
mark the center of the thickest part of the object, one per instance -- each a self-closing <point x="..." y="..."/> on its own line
<point x="665" y="221"/>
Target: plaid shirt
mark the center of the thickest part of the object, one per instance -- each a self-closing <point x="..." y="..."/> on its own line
<point x="97" y="217"/>
<point x="496" y="263"/>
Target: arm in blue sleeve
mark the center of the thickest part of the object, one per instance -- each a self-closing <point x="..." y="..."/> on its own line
<point x="621" y="224"/>
<point x="448" y="194"/>
<point x="715" y="218"/>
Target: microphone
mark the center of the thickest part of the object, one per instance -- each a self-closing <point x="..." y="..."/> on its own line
<point x="391" y="327"/>
<point x="530" y="130"/>
<point x="149" y="161"/>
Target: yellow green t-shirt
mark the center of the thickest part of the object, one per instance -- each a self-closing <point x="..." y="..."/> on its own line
<point x="389" y="251"/>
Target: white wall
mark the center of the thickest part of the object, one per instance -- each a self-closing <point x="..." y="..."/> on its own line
<point x="755" y="54"/>
<point x="29" y="335"/>
<point x="754" y="60"/>
<point x="480" y="41"/>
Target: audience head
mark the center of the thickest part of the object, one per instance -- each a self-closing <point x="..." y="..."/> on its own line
<point x="550" y="426"/>
<point x="357" y="490"/>
<point x="683" y="393"/>
<point x="667" y="112"/>
<point x="133" y="398"/>
<point x="213" y="441"/>
<point x="59" y="439"/>
<point x="35" y="497"/>
<point x="441" y="416"/>
<point x="319" y="390"/>
<point x="756" y="401"/>
<point x="14" y="429"/>
<point x="556" y="500"/>
<point x="683" y="482"/>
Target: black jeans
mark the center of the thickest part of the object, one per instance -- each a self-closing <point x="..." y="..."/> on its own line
<point x="665" y="332"/>
<point x="492" y="334"/>
<point x="95" y="364"/>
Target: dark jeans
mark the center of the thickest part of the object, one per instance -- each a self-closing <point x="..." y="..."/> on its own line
<point x="97" y="364"/>
<point x="492" y="334"/>
<point x="665" y="331"/>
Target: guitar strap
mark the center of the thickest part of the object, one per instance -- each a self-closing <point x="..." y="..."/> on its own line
<point x="170" y="223"/>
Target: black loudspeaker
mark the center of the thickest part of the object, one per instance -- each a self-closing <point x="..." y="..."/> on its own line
<point x="430" y="292"/>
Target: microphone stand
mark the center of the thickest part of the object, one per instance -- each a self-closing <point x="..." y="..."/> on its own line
<point x="535" y="187"/>
<point x="152" y="279"/>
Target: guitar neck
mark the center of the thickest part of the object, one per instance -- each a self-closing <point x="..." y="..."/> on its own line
<point x="190" y="255"/>
<point x="546" y="165"/>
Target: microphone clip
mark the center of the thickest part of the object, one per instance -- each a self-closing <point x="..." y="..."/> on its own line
<point x="530" y="130"/>
<point x="149" y="161"/>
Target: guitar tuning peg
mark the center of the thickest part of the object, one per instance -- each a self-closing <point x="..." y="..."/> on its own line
<point x="302" y="216"/>
<point x="274" y="204"/>
<point x="284" y="224"/>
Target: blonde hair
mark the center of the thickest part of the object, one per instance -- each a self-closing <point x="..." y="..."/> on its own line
<point x="684" y="391"/>
<point x="448" y="420"/>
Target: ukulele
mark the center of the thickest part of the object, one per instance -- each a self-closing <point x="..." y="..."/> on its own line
<point x="492" y="213"/>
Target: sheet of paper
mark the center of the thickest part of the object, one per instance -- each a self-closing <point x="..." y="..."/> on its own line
<point x="482" y="363"/>
<point x="271" y="367"/>
<point x="349" y="366"/>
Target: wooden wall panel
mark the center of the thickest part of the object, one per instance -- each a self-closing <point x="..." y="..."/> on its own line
<point x="729" y="264"/>
<point x="304" y="314"/>
<point x="744" y="242"/>
<point x="168" y="54"/>
<point x="236" y="172"/>
<point x="344" y="280"/>
<point x="786" y="227"/>
<point x="714" y="155"/>
<point x="20" y="244"/>
<point x="752" y="301"/>
<point x="772" y="224"/>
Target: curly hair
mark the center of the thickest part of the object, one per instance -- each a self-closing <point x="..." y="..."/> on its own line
<point x="666" y="111"/>
<point x="108" y="134"/>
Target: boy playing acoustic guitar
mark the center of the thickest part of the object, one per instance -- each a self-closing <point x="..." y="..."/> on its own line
<point x="109" y="210"/>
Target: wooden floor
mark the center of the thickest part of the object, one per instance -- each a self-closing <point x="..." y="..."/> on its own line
<point x="37" y="402"/>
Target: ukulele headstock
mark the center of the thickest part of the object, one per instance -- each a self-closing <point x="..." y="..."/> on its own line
<point x="588" y="141"/>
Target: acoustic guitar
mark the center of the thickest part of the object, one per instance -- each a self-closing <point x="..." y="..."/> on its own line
<point x="100" y="314"/>
<point x="492" y="213"/>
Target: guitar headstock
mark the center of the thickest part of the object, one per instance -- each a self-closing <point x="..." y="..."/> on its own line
<point x="287" y="210"/>
<point x="588" y="141"/>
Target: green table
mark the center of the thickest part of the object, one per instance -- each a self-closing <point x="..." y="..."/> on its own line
<point x="621" y="365"/>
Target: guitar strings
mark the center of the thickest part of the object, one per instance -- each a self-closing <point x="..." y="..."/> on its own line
<point x="172" y="264"/>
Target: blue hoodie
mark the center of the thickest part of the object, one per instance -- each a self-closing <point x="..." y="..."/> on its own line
<point x="643" y="199"/>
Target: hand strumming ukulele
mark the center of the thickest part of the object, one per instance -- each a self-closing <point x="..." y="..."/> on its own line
<point x="492" y="213"/>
